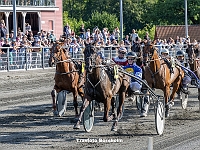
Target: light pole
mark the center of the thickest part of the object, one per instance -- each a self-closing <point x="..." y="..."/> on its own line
<point x="121" y="21"/>
<point x="14" y="19"/>
<point x="186" y="20"/>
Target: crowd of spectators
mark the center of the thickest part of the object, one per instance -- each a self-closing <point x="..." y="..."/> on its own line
<point x="76" y="41"/>
<point x="24" y="42"/>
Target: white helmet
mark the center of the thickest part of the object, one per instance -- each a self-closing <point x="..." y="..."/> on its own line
<point x="165" y="51"/>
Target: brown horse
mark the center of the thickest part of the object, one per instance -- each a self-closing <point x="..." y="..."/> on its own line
<point x="193" y="52"/>
<point x="160" y="75"/>
<point x="68" y="75"/>
<point x="101" y="86"/>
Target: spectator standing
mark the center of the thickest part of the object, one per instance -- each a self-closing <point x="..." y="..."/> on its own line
<point x="3" y="30"/>
<point x="67" y="30"/>
<point x="6" y="44"/>
<point x="133" y="36"/>
<point x="116" y="33"/>
<point x="87" y="34"/>
<point x="146" y="37"/>
<point x="112" y="37"/>
<point x="105" y="34"/>
<point x="127" y="43"/>
<point x="28" y="27"/>
<point x="82" y="31"/>
<point x="1" y="41"/>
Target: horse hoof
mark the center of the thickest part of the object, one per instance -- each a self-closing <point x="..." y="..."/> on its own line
<point x="144" y="114"/>
<point x="114" y="128"/>
<point x="76" y="126"/>
<point x="55" y="113"/>
<point x="166" y="113"/>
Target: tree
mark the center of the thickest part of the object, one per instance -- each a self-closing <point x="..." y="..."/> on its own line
<point x="103" y="20"/>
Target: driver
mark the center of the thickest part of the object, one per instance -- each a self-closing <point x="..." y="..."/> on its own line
<point x="186" y="80"/>
<point x="121" y="59"/>
<point x="136" y="86"/>
<point x="168" y="60"/>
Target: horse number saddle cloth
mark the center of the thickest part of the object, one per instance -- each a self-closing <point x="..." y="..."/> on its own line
<point x="82" y="67"/>
<point x="116" y="72"/>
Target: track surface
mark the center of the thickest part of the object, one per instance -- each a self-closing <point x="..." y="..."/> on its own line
<point x="27" y="120"/>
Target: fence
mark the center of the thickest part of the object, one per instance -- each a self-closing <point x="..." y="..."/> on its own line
<point x="26" y="59"/>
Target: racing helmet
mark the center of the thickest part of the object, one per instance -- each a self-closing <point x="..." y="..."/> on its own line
<point x="180" y="53"/>
<point x="131" y="54"/>
<point x="122" y="50"/>
<point x="165" y="51"/>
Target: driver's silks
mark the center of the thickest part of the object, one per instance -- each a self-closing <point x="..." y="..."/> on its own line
<point x="116" y="72"/>
<point x="82" y="67"/>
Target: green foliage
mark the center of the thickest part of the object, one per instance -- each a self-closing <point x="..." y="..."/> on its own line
<point x="151" y="32"/>
<point x="103" y="20"/>
<point x="74" y="23"/>
<point x="141" y="15"/>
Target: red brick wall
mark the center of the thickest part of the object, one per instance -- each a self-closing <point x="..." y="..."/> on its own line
<point x="57" y="20"/>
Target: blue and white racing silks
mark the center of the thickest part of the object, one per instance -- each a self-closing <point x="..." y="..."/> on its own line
<point x="134" y="69"/>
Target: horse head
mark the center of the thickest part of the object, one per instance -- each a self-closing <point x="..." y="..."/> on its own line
<point x="148" y="51"/>
<point x="90" y="56"/>
<point x="190" y="50"/>
<point x="57" y="53"/>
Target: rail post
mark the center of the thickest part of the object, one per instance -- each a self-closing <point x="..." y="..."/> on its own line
<point x="26" y="58"/>
<point x="8" y="61"/>
<point x="43" y="58"/>
<point x="150" y="143"/>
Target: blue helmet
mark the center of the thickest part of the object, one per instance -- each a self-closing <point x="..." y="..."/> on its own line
<point x="180" y="53"/>
<point x="131" y="54"/>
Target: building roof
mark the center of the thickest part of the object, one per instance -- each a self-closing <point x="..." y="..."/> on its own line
<point x="164" y="32"/>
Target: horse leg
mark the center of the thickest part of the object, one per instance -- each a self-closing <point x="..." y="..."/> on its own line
<point x="75" y="103"/>
<point x="166" y="95"/>
<point x="53" y="95"/>
<point x="114" y="113"/>
<point x="107" y="104"/>
<point x="176" y="85"/>
<point x="121" y="102"/>
<point x="83" y="107"/>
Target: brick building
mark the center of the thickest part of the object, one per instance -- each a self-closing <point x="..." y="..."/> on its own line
<point x="164" y="32"/>
<point x="40" y="14"/>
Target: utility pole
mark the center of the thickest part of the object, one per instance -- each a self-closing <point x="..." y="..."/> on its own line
<point x="121" y="21"/>
<point x="186" y="20"/>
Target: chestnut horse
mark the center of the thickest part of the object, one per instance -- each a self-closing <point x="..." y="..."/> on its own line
<point x="67" y="76"/>
<point x="157" y="75"/>
<point x="193" y="52"/>
<point x="100" y="85"/>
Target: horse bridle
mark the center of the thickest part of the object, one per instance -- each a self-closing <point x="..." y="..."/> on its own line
<point x="58" y="60"/>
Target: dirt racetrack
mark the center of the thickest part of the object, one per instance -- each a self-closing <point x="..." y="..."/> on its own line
<point x="27" y="121"/>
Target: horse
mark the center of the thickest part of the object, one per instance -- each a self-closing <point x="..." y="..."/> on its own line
<point x="157" y="75"/>
<point x="68" y="75"/>
<point x="101" y="86"/>
<point x="194" y="61"/>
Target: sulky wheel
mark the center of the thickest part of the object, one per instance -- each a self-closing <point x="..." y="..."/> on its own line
<point x="160" y="118"/>
<point x="88" y="117"/>
<point x="61" y="102"/>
